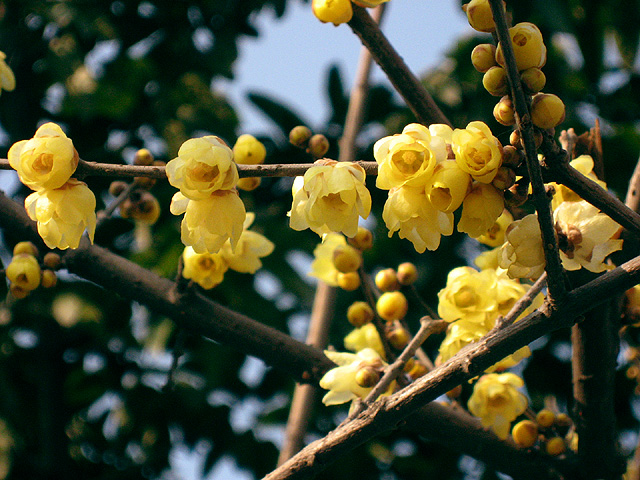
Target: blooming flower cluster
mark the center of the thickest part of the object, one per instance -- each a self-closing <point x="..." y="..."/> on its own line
<point x="430" y="172"/>
<point x="62" y="206"/>
<point x="206" y="175"/>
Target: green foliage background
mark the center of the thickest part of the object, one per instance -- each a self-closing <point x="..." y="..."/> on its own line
<point x="85" y="399"/>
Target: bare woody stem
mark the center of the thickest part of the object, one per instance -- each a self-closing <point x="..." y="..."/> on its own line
<point x="557" y="288"/>
<point x="525" y="301"/>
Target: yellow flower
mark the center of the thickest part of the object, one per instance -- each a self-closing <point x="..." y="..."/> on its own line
<point x="488" y="259"/>
<point x="203" y="166"/>
<point x="63" y="214"/>
<point x="586" y="236"/>
<point x="497" y="401"/>
<point x="7" y="78"/>
<point x="341" y="381"/>
<point x="24" y="271"/>
<point x="47" y="160"/>
<point x="249" y="150"/>
<point x="470" y="295"/>
<point x="408" y="210"/>
<point x="323" y="267"/>
<point x="480" y="210"/>
<point x="523" y="255"/>
<point x="209" y="223"/>
<point x="479" y="15"/>
<point x="496" y="234"/>
<point x="584" y="164"/>
<point x="528" y="47"/>
<point x="330" y="198"/>
<point x="408" y="158"/>
<point x="364" y="337"/>
<point x="334" y="11"/>
<point x="448" y="187"/>
<point x="251" y="247"/>
<point x="206" y="269"/>
<point x="477" y="151"/>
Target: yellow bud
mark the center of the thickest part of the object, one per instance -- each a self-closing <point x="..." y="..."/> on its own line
<point x="363" y="239"/>
<point x="563" y="420"/>
<point x="249" y="184"/>
<point x="479" y="15"/>
<point x="117" y="187"/>
<point x="359" y="314"/>
<point x="533" y="80"/>
<point x="146" y="210"/>
<point x="25" y="247"/>
<point x="386" y="280"/>
<point x="346" y="259"/>
<point x="398" y="336"/>
<point x="348" y="281"/>
<point x="528" y="47"/>
<point x="511" y="156"/>
<point x="495" y="81"/>
<point x="249" y="150"/>
<point x="49" y="279"/>
<point x="299" y="136"/>
<point x="318" y="145"/>
<point x="555" y="446"/>
<point x="545" y="418"/>
<point x="525" y="433"/>
<point x="24" y="271"/>
<point x="334" y="11"/>
<point x="503" y="112"/>
<point x="392" y="306"/>
<point x="407" y="273"/>
<point x="143" y="157"/>
<point x="367" y="377"/>
<point x="52" y="260"/>
<point x="547" y="110"/>
<point x="505" y="178"/>
<point x="483" y="57"/>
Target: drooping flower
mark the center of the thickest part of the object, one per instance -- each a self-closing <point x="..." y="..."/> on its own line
<point x="47" y="160"/>
<point x="63" y="214"/>
<point x="477" y="151"/>
<point x="408" y="211"/>
<point x="364" y="337"/>
<point x="522" y="255"/>
<point x="482" y="206"/>
<point x="323" y="267"/>
<point x="251" y="247"/>
<point x="408" y="158"/>
<point x="494" y="237"/>
<point x="448" y="186"/>
<point x="584" y="165"/>
<point x="7" y="78"/>
<point x="206" y="269"/>
<point x="497" y="401"/>
<point x="586" y="236"/>
<point x="330" y="198"/>
<point x="210" y="222"/>
<point x="24" y="272"/>
<point x="203" y="166"/>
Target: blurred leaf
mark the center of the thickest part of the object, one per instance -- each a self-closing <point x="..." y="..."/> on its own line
<point x="283" y="117"/>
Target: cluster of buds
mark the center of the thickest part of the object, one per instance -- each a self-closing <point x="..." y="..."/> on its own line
<point x="339" y="11"/>
<point x="26" y="273"/>
<point x="550" y="433"/>
<point x="317" y="145"/>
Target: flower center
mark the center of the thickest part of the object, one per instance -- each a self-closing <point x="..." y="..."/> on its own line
<point x="497" y="400"/>
<point x="520" y="39"/>
<point x="204" y="173"/>
<point x="44" y="163"/>
<point x="334" y="201"/>
<point x="408" y="161"/>
<point x="480" y="156"/>
<point x="465" y="297"/>
<point x="206" y="263"/>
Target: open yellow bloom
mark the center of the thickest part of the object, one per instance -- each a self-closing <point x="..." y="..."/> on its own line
<point x="584" y="164"/>
<point x="364" y="337"/>
<point x="250" y="249"/>
<point x="7" y="78"/>
<point x="323" y="267"/>
<point x="448" y="186"/>
<point x="330" y="198"/>
<point x="203" y="166"/>
<point x="209" y="223"/>
<point x="63" y="214"/>
<point x="206" y="269"/>
<point x="497" y="401"/>
<point x="477" y="151"/>
<point x="523" y="255"/>
<point x="528" y="46"/>
<point x="470" y="295"/>
<point x="47" y="160"/>
<point x="408" y="158"/>
<point x="408" y="211"/>
<point x="482" y="206"/>
<point x="586" y="236"/>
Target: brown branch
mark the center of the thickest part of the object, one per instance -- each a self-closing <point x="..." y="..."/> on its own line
<point x="556" y="280"/>
<point x="525" y="301"/>
<point x="405" y="82"/>
<point x="632" y="199"/>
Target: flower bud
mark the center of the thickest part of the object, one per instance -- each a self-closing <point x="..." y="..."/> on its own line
<point x="117" y="187"/>
<point x="249" y="184"/>
<point x="318" y="145"/>
<point x="249" y="150"/>
<point x="545" y="418"/>
<point x="348" y="281"/>
<point x="515" y="139"/>
<point x="346" y="259"/>
<point x="49" y="279"/>
<point x="555" y="446"/>
<point x="483" y="57"/>
<point x="547" y="110"/>
<point x="495" y="81"/>
<point x="503" y="112"/>
<point x="52" y="260"/>
<point x="18" y="292"/>
<point x="143" y="157"/>
<point x="511" y="156"/>
<point x="525" y="433"/>
<point x="334" y="11"/>
<point x="505" y="178"/>
<point x="299" y="136"/>
<point x="25" y="247"/>
<point x="392" y="306"/>
<point x="363" y="239"/>
<point x="359" y="314"/>
<point x="407" y="273"/>
<point x="386" y="280"/>
<point x="528" y="47"/>
<point x="533" y="80"/>
<point x="367" y="377"/>
<point x="24" y="271"/>
<point x="398" y="336"/>
<point x="563" y="420"/>
<point x="479" y="15"/>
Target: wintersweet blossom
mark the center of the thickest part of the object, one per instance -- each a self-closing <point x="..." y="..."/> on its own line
<point x="251" y="247"/>
<point x="522" y="254"/>
<point x="494" y="237"/>
<point x="469" y="295"/>
<point x="408" y="211"/>
<point x="528" y="46"/>
<point x="330" y="198"/>
<point x="497" y="401"/>
<point x="480" y="209"/>
<point x="586" y="236"/>
<point x="322" y="266"/>
<point x="364" y="337"/>
<point x="206" y="269"/>
<point x="477" y="151"/>
<point x="24" y="271"/>
<point x="408" y="158"/>
<point x="341" y="381"/>
<point x="203" y="166"/>
<point x="47" y="160"/>
<point x="448" y="186"/>
<point x="63" y="214"/>
<point x="7" y="78"/>
<point x="210" y="222"/>
<point x="584" y="165"/>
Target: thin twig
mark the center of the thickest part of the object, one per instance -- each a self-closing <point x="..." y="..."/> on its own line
<point x="525" y="301"/>
<point x="632" y="199"/>
<point x="107" y="212"/>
